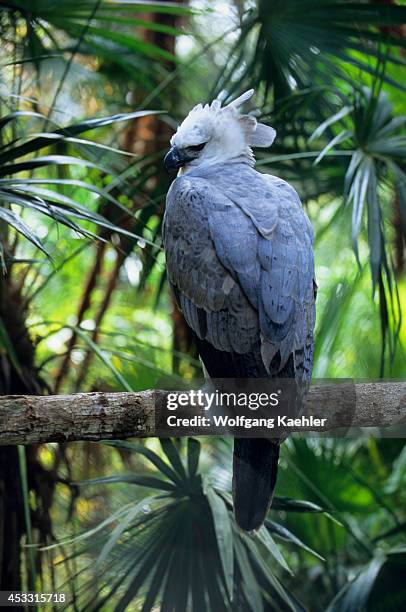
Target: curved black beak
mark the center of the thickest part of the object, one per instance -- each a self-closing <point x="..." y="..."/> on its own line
<point x="175" y="159"/>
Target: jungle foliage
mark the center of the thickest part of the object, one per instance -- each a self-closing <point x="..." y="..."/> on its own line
<point x="91" y="91"/>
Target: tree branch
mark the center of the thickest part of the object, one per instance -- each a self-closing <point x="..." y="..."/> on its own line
<point x="28" y="419"/>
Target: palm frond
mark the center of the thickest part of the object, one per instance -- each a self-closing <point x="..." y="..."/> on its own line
<point x="153" y="542"/>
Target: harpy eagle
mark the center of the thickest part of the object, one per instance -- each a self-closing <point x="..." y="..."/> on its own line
<point x="239" y="259"/>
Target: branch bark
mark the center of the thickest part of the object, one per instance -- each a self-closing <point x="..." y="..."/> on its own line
<point x="28" y="419"/>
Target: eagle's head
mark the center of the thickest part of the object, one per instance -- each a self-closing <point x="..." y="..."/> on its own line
<point x="214" y="134"/>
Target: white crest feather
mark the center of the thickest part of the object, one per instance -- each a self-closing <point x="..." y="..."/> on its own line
<point x="262" y="136"/>
<point x="241" y="99"/>
<point x="196" y="109"/>
<point x="256" y="134"/>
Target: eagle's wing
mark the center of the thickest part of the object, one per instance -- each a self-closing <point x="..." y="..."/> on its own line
<point x="209" y="295"/>
<point x="288" y="287"/>
<point x="237" y="289"/>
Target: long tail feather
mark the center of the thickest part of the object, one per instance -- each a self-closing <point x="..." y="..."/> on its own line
<point x="255" y="465"/>
<point x="255" y="469"/>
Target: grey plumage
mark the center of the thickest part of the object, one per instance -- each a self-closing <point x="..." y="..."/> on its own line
<point x="239" y="247"/>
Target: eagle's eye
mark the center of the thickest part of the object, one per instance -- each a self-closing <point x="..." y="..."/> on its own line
<point x="198" y="147"/>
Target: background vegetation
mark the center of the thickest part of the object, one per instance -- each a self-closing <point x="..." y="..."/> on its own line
<point x="90" y="94"/>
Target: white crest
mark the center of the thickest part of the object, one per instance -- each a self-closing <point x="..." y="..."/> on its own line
<point x="257" y="134"/>
<point x="226" y="132"/>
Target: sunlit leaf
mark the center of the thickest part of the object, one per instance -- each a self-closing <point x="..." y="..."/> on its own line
<point x="18" y="224"/>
